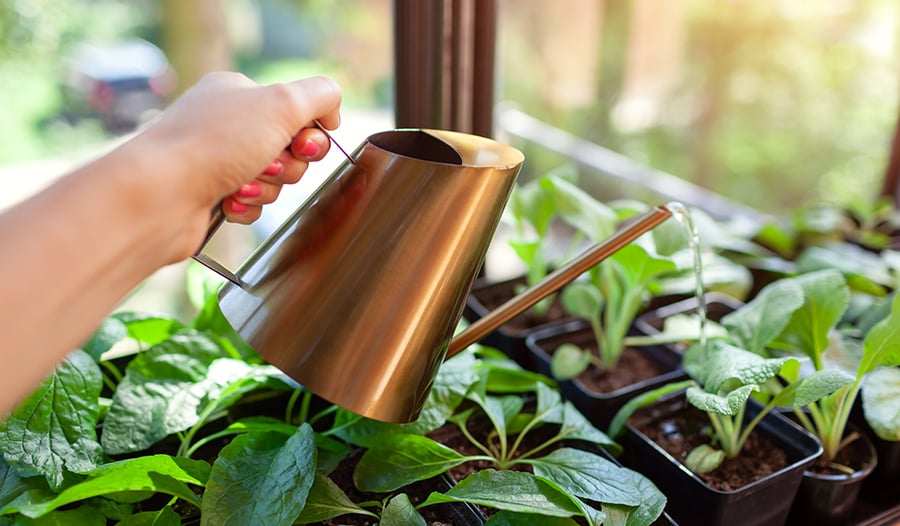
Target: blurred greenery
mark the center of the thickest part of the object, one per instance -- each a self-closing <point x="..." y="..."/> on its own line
<point x="775" y="103"/>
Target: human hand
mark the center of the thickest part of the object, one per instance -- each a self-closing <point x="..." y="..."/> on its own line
<point x="230" y="140"/>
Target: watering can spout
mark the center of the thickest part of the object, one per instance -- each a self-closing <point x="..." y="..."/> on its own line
<point x="556" y="280"/>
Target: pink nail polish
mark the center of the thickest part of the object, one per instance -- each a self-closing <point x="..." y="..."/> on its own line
<point x="238" y="208"/>
<point x="251" y="189"/>
<point x="274" y="168"/>
<point x="310" y="148"/>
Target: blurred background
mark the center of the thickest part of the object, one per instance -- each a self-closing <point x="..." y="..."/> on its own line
<point x="769" y="103"/>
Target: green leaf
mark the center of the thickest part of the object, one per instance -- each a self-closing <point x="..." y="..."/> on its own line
<point x="508" y="490"/>
<point x="261" y="479"/>
<point x="729" y="404"/>
<point x="826" y="298"/>
<point x="581" y="210"/>
<point x="588" y="476"/>
<point x="645" y="514"/>
<point x="576" y="426"/>
<point x="639" y="267"/>
<point x="403" y="459"/>
<point x="549" y="405"/>
<point x="882" y="345"/>
<point x="881" y="402"/>
<point x="400" y="512"/>
<point x="117" y="480"/>
<point x="327" y="500"/>
<point x="148" y="328"/>
<point x="757" y="323"/>
<point x="110" y="332"/>
<point x="162" y="392"/>
<point x="583" y="300"/>
<point x="703" y="459"/>
<point x="53" y="431"/>
<point x="164" y="517"/>
<point x="721" y="365"/>
<point x="811" y="388"/>
<point x="84" y="516"/>
<point x="12" y="485"/>
<point x="569" y="361"/>
<point x="511" y="518"/>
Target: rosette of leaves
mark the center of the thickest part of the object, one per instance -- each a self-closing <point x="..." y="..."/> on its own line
<point x="560" y="483"/>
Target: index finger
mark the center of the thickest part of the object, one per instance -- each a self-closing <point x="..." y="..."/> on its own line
<point x="316" y="98"/>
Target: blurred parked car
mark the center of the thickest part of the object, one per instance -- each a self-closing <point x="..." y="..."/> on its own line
<point x="122" y="84"/>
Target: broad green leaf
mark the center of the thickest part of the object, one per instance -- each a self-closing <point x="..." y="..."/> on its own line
<point x="212" y="322"/>
<point x="881" y="348"/>
<point x="403" y="459"/>
<point x="703" y="459"/>
<point x="12" y="485"/>
<point x="645" y="514"/>
<point x="53" y="431"/>
<point x="261" y="479"/>
<point x="110" y="332"/>
<point x="166" y="388"/>
<point x="881" y="402"/>
<point x="860" y="266"/>
<point x="125" y="480"/>
<point x="511" y="518"/>
<point x="639" y="267"/>
<point x="576" y="426"/>
<point x="508" y="490"/>
<point x="757" y="323"/>
<point x="164" y="517"/>
<point x="327" y="500"/>
<point x="148" y="328"/>
<point x="400" y="512"/>
<point x="508" y="377"/>
<point x="549" y="405"/>
<point x="729" y="404"/>
<point x="826" y="297"/>
<point x="568" y="361"/>
<point x="721" y="365"/>
<point x="588" y="476"/>
<point x="811" y="388"/>
<point x="583" y="300"/>
<point x="84" y="516"/>
<point x="582" y="211"/>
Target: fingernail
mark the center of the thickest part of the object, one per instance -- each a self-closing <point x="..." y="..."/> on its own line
<point x="310" y="148"/>
<point x="274" y="168"/>
<point x="238" y="208"/>
<point x="251" y="189"/>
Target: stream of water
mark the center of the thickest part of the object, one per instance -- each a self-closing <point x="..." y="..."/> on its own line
<point x="682" y="215"/>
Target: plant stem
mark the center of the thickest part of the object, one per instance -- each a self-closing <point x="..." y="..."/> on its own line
<point x="474" y="441"/>
<point x="290" y="406"/>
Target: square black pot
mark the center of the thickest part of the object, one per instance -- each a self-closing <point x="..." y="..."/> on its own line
<point x="764" y="502"/>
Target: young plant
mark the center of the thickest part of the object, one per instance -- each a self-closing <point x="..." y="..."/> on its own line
<point x="610" y="298"/>
<point x="810" y="333"/>
<point x="727" y="372"/>
<point x="563" y="482"/>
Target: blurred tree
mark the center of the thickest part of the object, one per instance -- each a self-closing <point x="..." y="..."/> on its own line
<point x="195" y="38"/>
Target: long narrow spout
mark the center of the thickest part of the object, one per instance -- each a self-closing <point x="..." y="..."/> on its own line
<point x="633" y="229"/>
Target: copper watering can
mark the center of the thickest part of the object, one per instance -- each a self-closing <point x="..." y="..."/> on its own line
<point x="357" y="294"/>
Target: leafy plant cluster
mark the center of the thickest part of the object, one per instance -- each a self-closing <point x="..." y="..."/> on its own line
<point x="791" y="347"/>
<point x="195" y="424"/>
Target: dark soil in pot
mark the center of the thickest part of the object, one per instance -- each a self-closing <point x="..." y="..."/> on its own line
<point x="679" y="433"/>
<point x="599" y="393"/>
<point x="735" y="494"/>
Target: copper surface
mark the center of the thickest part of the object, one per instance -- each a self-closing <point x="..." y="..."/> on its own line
<point x="357" y="294"/>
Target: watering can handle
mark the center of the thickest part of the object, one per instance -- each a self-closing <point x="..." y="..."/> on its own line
<point x="555" y="281"/>
<point x="215" y="221"/>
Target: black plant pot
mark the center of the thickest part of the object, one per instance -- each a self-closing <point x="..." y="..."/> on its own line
<point x="764" y="502"/>
<point x="509" y="337"/>
<point x="599" y="407"/>
<point x="831" y="500"/>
